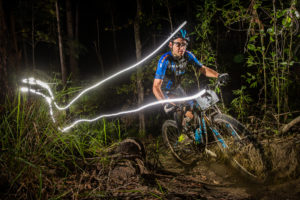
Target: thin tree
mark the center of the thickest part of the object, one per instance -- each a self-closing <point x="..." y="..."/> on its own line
<point x="16" y="51"/>
<point x="60" y="45"/>
<point x="139" y="76"/>
<point x="3" y="51"/>
<point x="32" y="36"/>
<point x="153" y="12"/>
<point x="169" y="15"/>
<point x="114" y="29"/>
<point x="71" y="41"/>
<point x="97" y="48"/>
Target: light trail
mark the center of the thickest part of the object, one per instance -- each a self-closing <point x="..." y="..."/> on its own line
<point x="48" y="99"/>
<point x="65" y="129"/>
<point x="32" y="81"/>
<point x="132" y="111"/>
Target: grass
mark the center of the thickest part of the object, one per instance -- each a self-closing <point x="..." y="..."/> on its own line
<point x="39" y="162"/>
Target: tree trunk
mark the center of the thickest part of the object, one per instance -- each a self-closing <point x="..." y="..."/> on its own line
<point x="153" y="31"/>
<point x="114" y="36"/>
<point x="17" y="53"/>
<point x="77" y="22"/>
<point x="138" y="46"/>
<point x="3" y="52"/>
<point x="60" y="45"/>
<point x="98" y="49"/>
<point x="32" y="37"/>
<point x="71" y="41"/>
<point x="25" y="54"/>
<point x="169" y="15"/>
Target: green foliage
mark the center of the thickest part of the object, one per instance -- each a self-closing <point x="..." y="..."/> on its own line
<point x="44" y="37"/>
<point x="271" y="31"/>
<point x="241" y="103"/>
<point x="33" y="151"/>
<point x="234" y="11"/>
<point x="203" y="31"/>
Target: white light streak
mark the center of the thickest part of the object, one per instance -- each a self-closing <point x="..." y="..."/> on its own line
<point x="32" y="81"/>
<point x="133" y="111"/>
<point x="24" y="89"/>
<point x="48" y="99"/>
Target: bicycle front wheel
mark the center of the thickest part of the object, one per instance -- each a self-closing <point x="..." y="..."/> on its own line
<point x="239" y="145"/>
<point x="180" y="145"/>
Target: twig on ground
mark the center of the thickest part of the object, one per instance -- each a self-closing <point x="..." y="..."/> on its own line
<point x="287" y="127"/>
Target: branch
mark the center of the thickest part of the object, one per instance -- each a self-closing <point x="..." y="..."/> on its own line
<point x="287" y="127"/>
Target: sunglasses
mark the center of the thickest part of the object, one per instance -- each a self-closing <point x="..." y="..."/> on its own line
<point x="178" y="44"/>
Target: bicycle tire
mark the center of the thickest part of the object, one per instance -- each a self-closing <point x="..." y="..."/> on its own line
<point x="239" y="145"/>
<point x="183" y="152"/>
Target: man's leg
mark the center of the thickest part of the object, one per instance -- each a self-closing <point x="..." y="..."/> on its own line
<point x="188" y="113"/>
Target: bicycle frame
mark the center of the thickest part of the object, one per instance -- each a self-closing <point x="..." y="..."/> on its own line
<point x="205" y="121"/>
<point x="215" y="133"/>
<point x="206" y="109"/>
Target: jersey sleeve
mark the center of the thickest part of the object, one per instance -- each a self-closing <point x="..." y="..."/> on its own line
<point x="192" y="58"/>
<point x="162" y="67"/>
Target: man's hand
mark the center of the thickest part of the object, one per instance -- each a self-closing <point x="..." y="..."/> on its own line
<point x="223" y="78"/>
<point x="169" y="108"/>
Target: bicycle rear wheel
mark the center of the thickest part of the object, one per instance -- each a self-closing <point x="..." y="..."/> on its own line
<point x="236" y="142"/>
<point x="180" y="145"/>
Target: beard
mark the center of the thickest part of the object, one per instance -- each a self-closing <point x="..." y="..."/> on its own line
<point x="176" y="57"/>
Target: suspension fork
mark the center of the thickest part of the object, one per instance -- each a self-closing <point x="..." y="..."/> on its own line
<point x="199" y="130"/>
<point x="202" y="127"/>
<point x="228" y="126"/>
<point x="215" y="131"/>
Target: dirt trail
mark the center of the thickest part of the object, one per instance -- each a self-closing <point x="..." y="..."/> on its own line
<point x="222" y="182"/>
<point x="217" y="180"/>
<point x="148" y="171"/>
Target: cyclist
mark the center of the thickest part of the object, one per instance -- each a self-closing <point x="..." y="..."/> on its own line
<point x="172" y="67"/>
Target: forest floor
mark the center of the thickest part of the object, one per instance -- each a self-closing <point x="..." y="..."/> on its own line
<point x="135" y="169"/>
<point x="162" y="177"/>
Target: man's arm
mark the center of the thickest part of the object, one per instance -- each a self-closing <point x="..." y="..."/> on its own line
<point x="203" y="69"/>
<point x="157" y="89"/>
<point x="159" y="94"/>
<point x="209" y="72"/>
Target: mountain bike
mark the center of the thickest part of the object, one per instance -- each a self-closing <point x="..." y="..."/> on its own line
<point x="217" y="134"/>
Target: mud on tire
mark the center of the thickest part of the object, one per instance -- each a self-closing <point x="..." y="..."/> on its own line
<point x="240" y="146"/>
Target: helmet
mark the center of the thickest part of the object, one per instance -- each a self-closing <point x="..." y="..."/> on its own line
<point x="181" y="34"/>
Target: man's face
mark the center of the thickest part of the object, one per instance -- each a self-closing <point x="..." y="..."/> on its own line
<point x="178" y="47"/>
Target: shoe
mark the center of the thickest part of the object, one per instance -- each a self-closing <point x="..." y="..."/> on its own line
<point x="183" y="139"/>
<point x="184" y="143"/>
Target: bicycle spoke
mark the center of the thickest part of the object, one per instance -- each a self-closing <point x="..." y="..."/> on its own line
<point x="236" y="142"/>
<point x="180" y="144"/>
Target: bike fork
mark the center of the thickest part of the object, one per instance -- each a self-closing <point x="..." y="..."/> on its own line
<point x="202" y="121"/>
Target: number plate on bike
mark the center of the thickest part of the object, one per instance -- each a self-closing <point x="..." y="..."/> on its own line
<point x="208" y="99"/>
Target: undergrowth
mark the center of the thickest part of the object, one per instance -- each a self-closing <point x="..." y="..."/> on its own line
<point x="40" y="162"/>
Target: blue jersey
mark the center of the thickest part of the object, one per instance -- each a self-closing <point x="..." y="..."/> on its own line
<point x="171" y="70"/>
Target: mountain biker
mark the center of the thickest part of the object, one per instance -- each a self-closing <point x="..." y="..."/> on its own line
<point x="172" y="67"/>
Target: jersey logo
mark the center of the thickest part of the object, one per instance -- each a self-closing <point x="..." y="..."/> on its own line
<point x="162" y="61"/>
<point x="169" y="84"/>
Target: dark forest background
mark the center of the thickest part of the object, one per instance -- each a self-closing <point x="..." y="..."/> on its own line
<point x="256" y="42"/>
<point x="74" y="44"/>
